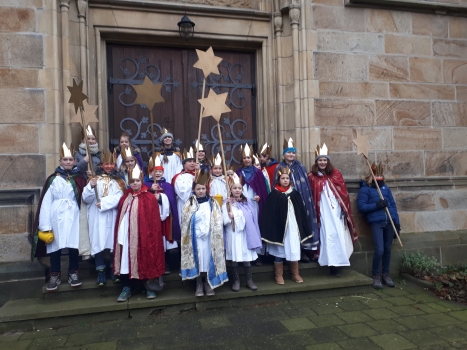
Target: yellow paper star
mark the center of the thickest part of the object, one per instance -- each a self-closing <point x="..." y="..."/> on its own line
<point x="362" y="145"/>
<point x="214" y="105"/>
<point x="148" y="93"/>
<point x="207" y="62"/>
<point x="77" y="97"/>
<point x="89" y="114"/>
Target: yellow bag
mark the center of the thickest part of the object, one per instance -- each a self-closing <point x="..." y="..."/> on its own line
<point x="219" y="199"/>
<point x="46" y="236"/>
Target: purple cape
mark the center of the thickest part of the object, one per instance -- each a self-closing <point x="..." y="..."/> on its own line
<point x="170" y="193"/>
<point x="253" y="236"/>
<point x="258" y="183"/>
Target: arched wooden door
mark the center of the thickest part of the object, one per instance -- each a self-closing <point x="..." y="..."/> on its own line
<point x="182" y="84"/>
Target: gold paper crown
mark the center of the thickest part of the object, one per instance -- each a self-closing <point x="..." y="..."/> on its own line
<point x="323" y="151"/>
<point x="282" y="170"/>
<point x="127" y="152"/>
<point x="266" y="149"/>
<point x="108" y="157"/>
<point x="217" y="160"/>
<point x="200" y="145"/>
<point x="67" y="152"/>
<point x="234" y="180"/>
<point x="256" y="160"/>
<point x="202" y="177"/>
<point x="246" y="150"/>
<point x="288" y="144"/>
<point x="188" y="155"/>
<point x="154" y="161"/>
<point x="135" y="173"/>
<point x="89" y="132"/>
<point x="377" y="169"/>
<point x="165" y="131"/>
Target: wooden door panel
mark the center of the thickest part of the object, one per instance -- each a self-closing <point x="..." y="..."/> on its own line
<point x="181" y="90"/>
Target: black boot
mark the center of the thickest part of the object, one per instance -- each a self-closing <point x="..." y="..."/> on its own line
<point x="236" y="279"/>
<point x="334" y="271"/>
<point x="387" y="280"/>
<point x="249" y="279"/>
<point x="377" y="282"/>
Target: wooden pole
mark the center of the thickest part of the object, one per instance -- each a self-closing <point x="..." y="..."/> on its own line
<point x="88" y="152"/>
<point x="152" y="130"/>
<point x="381" y="196"/>
<point x="200" y="118"/>
<point x="229" y="208"/>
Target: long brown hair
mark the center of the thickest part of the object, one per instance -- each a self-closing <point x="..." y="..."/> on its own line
<point x="328" y="171"/>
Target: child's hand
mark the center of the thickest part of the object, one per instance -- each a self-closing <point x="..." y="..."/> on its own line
<point x="98" y="205"/>
<point x="154" y="187"/>
<point x="197" y="166"/>
<point x="231" y="215"/>
<point x="256" y="198"/>
<point x="93" y="182"/>
<point x="88" y="173"/>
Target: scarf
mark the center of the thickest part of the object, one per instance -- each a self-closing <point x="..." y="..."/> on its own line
<point x="282" y="189"/>
<point x="248" y="172"/>
<point x="94" y="149"/>
<point x="202" y="199"/>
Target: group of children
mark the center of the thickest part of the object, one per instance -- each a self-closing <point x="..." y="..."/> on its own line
<point x="265" y="207"/>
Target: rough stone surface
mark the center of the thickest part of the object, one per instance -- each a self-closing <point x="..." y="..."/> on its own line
<point x="350" y="42"/>
<point x="455" y="138"/>
<point x="421" y="91"/>
<point x="229" y="3"/>
<point x="449" y="114"/>
<point x="18" y="78"/>
<point x="402" y="164"/>
<point x="389" y="21"/>
<point x="441" y="220"/>
<point x="22" y="106"/>
<point x="455" y="71"/>
<point x="424" y="69"/>
<point x="403" y="113"/>
<point x="340" y="18"/>
<point x="378" y="138"/>
<point x="389" y="68"/>
<point x="452" y="199"/>
<point x="24" y="171"/>
<point x="450" y="48"/>
<point x="343" y="67"/>
<point x="18" y="138"/>
<point x="358" y="90"/>
<point x="461" y="93"/>
<point x="417" y="138"/>
<point x="445" y="163"/>
<point x="430" y="25"/>
<point x="407" y="45"/>
<point x="17" y="19"/>
<point x="340" y="139"/>
<point x="409" y="201"/>
<point x="344" y="113"/>
<point x="15" y="219"/>
<point x="14" y="247"/>
<point x="457" y="28"/>
<point x="26" y="50"/>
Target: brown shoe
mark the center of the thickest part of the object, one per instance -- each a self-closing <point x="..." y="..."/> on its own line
<point x="199" y="290"/>
<point x="207" y="288"/>
<point x="279" y="272"/>
<point x="294" y="271"/>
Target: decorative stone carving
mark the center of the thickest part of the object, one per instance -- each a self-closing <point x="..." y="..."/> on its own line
<point x="82" y="6"/>
<point x="251" y="4"/>
<point x="294" y="13"/>
<point x="277" y="23"/>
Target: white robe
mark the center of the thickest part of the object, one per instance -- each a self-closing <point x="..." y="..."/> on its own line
<point x="217" y="186"/>
<point x="183" y="189"/>
<point x="249" y="194"/>
<point x="60" y="213"/>
<point x="164" y="209"/>
<point x="336" y="243"/>
<point x="291" y="248"/>
<point x="203" y="235"/>
<point x="123" y="240"/>
<point x="102" y="221"/>
<point x="172" y="168"/>
<point x="236" y="248"/>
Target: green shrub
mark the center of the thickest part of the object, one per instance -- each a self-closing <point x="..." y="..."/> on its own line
<point x="419" y="264"/>
<point x="451" y="283"/>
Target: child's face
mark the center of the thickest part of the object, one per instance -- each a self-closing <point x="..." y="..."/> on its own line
<point x="136" y="184"/>
<point x="247" y="161"/>
<point x="216" y="170"/>
<point x="157" y="174"/>
<point x="92" y="139"/>
<point x="201" y="155"/>
<point x="230" y="173"/>
<point x="322" y="163"/>
<point x="167" y="141"/>
<point x="200" y="191"/>
<point x="263" y="159"/>
<point x="284" y="180"/>
<point x="236" y="190"/>
<point x="130" y="163"/>
<point x="67" y="163"/>
<point x="289" y="156"/>
<point x="189" y="165"/>
<point x="124" y="142"/>
<point x="108" y="167"/>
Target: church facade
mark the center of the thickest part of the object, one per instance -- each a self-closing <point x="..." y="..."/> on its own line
<point x="319" y="71"/>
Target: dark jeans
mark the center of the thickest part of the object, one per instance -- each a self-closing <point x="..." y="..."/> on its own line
<point x="383" y="235"/>
<point x="99" y="260"/>
<point x="73" y="260"/>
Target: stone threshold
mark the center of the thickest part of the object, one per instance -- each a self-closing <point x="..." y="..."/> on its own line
<point x="183" y="298"/>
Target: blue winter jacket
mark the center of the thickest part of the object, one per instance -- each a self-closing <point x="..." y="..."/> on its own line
<point x="367" y="198"/>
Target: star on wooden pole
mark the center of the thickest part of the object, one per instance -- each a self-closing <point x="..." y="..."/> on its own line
<point x="214" y="105"/>
<point x="77" y="96"/>
<point x="89" y="114"/>
<point x="207" y="62"/>
<point x="362" y="145"/>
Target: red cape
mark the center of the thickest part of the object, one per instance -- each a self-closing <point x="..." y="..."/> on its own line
<point x="339" y="189"/>
<point x="150" y="250"/>
<point x="271" y="169"/>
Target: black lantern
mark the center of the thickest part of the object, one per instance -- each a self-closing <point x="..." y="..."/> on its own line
<point x="186" y="28"/>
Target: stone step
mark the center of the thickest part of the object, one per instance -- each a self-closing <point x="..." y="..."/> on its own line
<point x="316" y="282"/>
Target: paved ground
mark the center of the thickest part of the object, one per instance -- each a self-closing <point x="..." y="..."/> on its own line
<point x="407" y="317"/>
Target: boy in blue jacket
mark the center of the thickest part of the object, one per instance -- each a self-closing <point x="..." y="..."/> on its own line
<point x="370" y="203"/>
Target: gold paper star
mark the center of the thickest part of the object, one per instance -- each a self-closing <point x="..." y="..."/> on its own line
<point x="207" y="62"/>
<point x="214" y="105"/>
<point x="77" y="97"/>
<point x="148" y="93"/>
<point x="89" y="114"/>
<point x="362" y="145"/>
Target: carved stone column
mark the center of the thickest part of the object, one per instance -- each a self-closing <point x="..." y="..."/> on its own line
<point x="82" y="6"/>
<point x="294" y="14"/>
<point x="279" y="82"/>
<point x="65" y="34"/>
